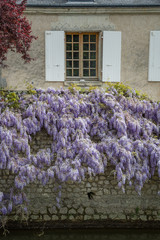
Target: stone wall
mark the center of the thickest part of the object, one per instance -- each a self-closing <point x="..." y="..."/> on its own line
<point x="77" y="207"/>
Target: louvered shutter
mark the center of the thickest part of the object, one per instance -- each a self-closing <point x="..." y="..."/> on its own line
<point x="54" y="50"/>
<point x="111" y="56"/>
<point x="154" y="56"/>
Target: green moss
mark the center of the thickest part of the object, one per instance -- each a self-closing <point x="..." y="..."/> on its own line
<point x="137" y="210"/>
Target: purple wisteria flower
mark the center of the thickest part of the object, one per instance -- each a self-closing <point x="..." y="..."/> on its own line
<point x="88" y="132"/>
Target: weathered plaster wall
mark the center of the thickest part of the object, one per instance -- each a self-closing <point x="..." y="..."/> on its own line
<point x="135" y="30"/>
<point x="108" y="204"/>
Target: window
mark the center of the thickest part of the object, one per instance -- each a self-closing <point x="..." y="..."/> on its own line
<point x="75" y="56"/>
<point x="81" y="55"/>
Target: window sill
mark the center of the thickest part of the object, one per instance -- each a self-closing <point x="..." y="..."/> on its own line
<point x="84" y="83"/>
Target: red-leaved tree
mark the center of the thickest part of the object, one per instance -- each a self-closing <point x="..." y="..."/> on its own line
<point x="15" y="30"/>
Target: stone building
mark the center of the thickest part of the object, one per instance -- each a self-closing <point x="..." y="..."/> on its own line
<point x="89" y="42"/>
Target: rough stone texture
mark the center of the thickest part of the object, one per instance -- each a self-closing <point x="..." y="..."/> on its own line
<point x="3" y="82"/>
<point x="109" y="203"/>
<point x="135" y="29"/>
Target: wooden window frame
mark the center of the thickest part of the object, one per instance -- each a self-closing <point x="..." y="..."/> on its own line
<point x="88" y="78"/>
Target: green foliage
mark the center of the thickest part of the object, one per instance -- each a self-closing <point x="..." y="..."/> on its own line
<point x="12" y="97"/>
<point x="73" y="87"/>
<point x="137" y="210"/>
<point x="92" y="88"/>
<point x="125" y="90"/>
<point x="102" y="105"/>
<point x="120" y="87"/>
<point x="13" y="100"/>
<point x="30" y="88"/>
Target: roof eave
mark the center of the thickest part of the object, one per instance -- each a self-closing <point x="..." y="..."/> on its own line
<point x="92" y="5"/>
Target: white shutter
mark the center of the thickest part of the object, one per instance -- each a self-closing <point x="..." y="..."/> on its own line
<point x="111" y="56"/>
<point x="154" y="56"/>
<point x="54" y="50"/>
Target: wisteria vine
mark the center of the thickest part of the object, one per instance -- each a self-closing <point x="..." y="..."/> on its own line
<point x="89" y="131"/>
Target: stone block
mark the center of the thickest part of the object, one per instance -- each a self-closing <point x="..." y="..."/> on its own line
<point x="48" y="190"/>
<point x="71" y="217"/>
<point x="143" y="217"/>
<point x="34" y="217"/>
<point x="45" y="195"/>
<point x="99" y="193"/>
<point x="63" y="217"/>
<point x="89" y="211"/>
<point x="113" y="216"/>
<point x="106" y="191"/>
<point x="46" y="218"/>
<point x="88" y="185"/>
<point x="104" y="217"/>
<point x="80" y="210"/>
<point x="96" y="217"/>
<point x="122" y="216"/>
<point x="76" y="206"/>
<point x="43" y="210"/>
<point x="3" y="82"/>
<point x="75" y="190"/>
<point x="79" y="217"/>
<point x="63" y="210"/>
<point x="106" y="182"/>
<point x="55" y="217"/>
<point x="40" y="190"/>
<point x="87" y="217"/>
<point x="102" y="178"/>
<point x="53" y="210"/>
<point x="72" y="211"/>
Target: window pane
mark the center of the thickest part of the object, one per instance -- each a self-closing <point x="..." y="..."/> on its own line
<point x="92" y="55"/>
<point x="92" y="38"/>
<point x="69" y="55"/>
<point x="75" y="38"/>
<point x="75" y="72"/>
<point x="92" y="46"/>
<point x="85" y="47"/>
<point x="69" y="72"/>
<point x="86" y="72"/>
<point x="76" y="46"/>
<point x="69" y="38"/>
<point x="76" y="64"/>
<point x="92" y="64"/>
<point x="86" y="64"/>
<point x="93" y="72"/>
<point x="69" y="64"/>
<point x="69" y="47"/>
<point x="76" y="55"/>
<point x="85" y="55"/>
<point x="85" y="38"/>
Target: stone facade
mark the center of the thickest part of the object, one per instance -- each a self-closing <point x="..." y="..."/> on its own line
<point x="135" y="25"/>
<point x="93" y="201"/>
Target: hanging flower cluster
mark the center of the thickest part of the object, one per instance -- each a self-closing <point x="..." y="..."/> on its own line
<point x="89" y="130"/>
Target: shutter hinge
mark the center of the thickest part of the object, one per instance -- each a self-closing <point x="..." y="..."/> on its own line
<point x="101" y="34"/>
